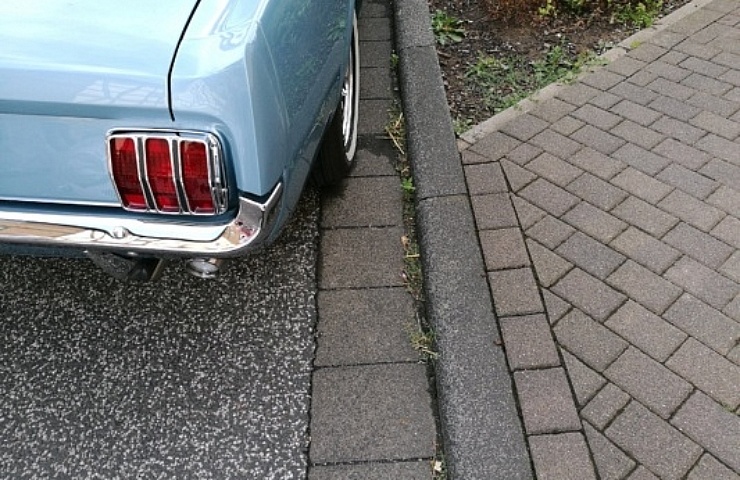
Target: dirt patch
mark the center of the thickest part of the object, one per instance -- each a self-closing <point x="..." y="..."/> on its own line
<point x="518" y="52"/>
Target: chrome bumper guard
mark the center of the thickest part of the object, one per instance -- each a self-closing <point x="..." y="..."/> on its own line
<point x="246" y="231"/>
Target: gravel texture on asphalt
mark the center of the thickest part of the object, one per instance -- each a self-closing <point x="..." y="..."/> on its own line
<point x="182" y="378"/>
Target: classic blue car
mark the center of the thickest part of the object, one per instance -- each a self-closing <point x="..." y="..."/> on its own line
<point x="137" y="131"/>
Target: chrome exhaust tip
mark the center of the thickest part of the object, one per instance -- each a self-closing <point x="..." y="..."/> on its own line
<point x="206" y="268"/>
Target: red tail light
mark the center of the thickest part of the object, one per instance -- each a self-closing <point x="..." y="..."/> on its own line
<point x="173" y="173"/>
<point x="195" y="177"/>
<point x="125" y="170"/>
<point x="160" y="175"/>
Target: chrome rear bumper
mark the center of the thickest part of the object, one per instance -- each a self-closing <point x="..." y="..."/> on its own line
<point x="172" y="237"/>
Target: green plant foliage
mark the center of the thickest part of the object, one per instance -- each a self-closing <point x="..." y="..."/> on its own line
<point x="640" y="14"/>
<point x="446" y="28"/>
<point x="502" y="82"/>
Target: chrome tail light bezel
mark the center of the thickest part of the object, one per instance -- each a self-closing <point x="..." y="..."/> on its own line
<point x="215" y="160"/>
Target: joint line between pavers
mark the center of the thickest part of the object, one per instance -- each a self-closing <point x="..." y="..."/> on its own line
<point x="354" y="463"/>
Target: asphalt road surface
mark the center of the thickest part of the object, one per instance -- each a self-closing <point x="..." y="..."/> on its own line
<point x="183" y="378"/>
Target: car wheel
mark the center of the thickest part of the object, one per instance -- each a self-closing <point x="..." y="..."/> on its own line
<point x="337" y="151"/>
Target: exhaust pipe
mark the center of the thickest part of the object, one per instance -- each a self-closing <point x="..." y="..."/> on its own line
<point x="206" y="268"/>
<point x="139" y="269"/>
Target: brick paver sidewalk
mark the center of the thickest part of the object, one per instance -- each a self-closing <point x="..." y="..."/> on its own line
<point x="609" y="218"/>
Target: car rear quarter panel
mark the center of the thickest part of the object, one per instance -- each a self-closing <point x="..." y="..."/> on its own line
<point x="266" y="75"/>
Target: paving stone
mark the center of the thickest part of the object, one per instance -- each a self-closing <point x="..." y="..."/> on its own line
<point x="645" y="216"/>
<point x="556" y="307"/>
<point x="590" y="255"/>
<point x="734" y="355"/>
<point x="699" y="245"/>
<point x="605" y="406"/>
<point x="585" y="381"/>
<point x="688" y="181"/>
<point x="588" y="340"/>
<point x="718" y="125"/>
<point x="552" y="110"/>
<point x="493" y="211"/>
<point x="667" y="39"/>
<point x="469" y="157"/>
<point x="731" y="76"/>
<point x="602" y="79"/>
<point x="517" y="177"/>
<point x="703" y="66"/>
<point x="374" y="158"/>
<point x="645" y="330"/>
<point x="597" y="163"/>
<point x="732" y="309"/>
<point x="564" y="456"/>
<point x="548" y="266"/>
<point x="524" y="153"/>
<point x="678" y="130"/>
<point x="578" y="94"/>
<point x="596" y="191"/>
<point x="374" y="412"/>
<point x="611" y="462"/>
<point x="710" y="468"/>
<point x="413" y="470"/>
<point x="524" y="127"/>
<point x="728" y="59"/>
<point x="636" y="95"/>
<point x="687" y="156"/>
<point x="364" y="326"/>
<point x="699" y="50"/>
<point x="642" y="473"/>
<point x="649" y="382"/>
<point x="528" y="342"/>
<point x="503" y="249"/>
<point x="363" y="202"/>
<point x="653" y="442"/>
<point x="645" y="287"/>
<point x="720" y="147"/>
<point x="550" y="232"/>
<point x="642" y="78"/>
<point x="728" y="230"/>
<point x="485" y="178"/>
<point x="647" y="52"/>
<point x="721" y="171"/>
<point x="731" y="267"/>
<point x="553" y="169"/>
<point x="674" y="108"/>
<point x="692" y="211"/>
<point x="712" y="427"/>
<point x="549" y="197"/>
<point x="361" y="258"/>
<point x="555" y="143"/>
<point x="667" y="71"/>
<point x="671" y="89"/>
<point x="645" y="250"/>
<point x="589" y="294"/>
<point x="706" y="84"/>
<point x="639" y="135"/>
<point x="377" y="83"/>
<point x="641" y="185"/>
<point x="375" y="54"/>
<point x="600" y="140"/>
<point x="495" y="145"/>
<point x="605" y="100"/>
<point x="705" y="323"/>
<point x="597" y="223"/>
<point x="626" y="66"/>
<point x="546" y="402"/>
<point x="702" y="282"/>
<point x="641" y="159"/>
<point x="597" y="117"/>
<point x="515" y="292"/>
<point x="722" y="106"/>
<point x="710" y="372"/>
<point x="567" y="125"/>
<point x="374" y="117"/>
<point x="527" y="213"/>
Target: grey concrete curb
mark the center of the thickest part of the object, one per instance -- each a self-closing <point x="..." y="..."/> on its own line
<point x="481" y="428"/>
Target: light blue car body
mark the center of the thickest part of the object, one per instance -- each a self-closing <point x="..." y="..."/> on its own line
<point x="263" y="76"/>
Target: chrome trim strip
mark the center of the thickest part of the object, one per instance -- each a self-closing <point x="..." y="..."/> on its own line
<point x="59" y="202"/>
<point x="164" y="237"/>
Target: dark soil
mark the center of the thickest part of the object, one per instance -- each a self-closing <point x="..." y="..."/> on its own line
<point x="530" y="41"/>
